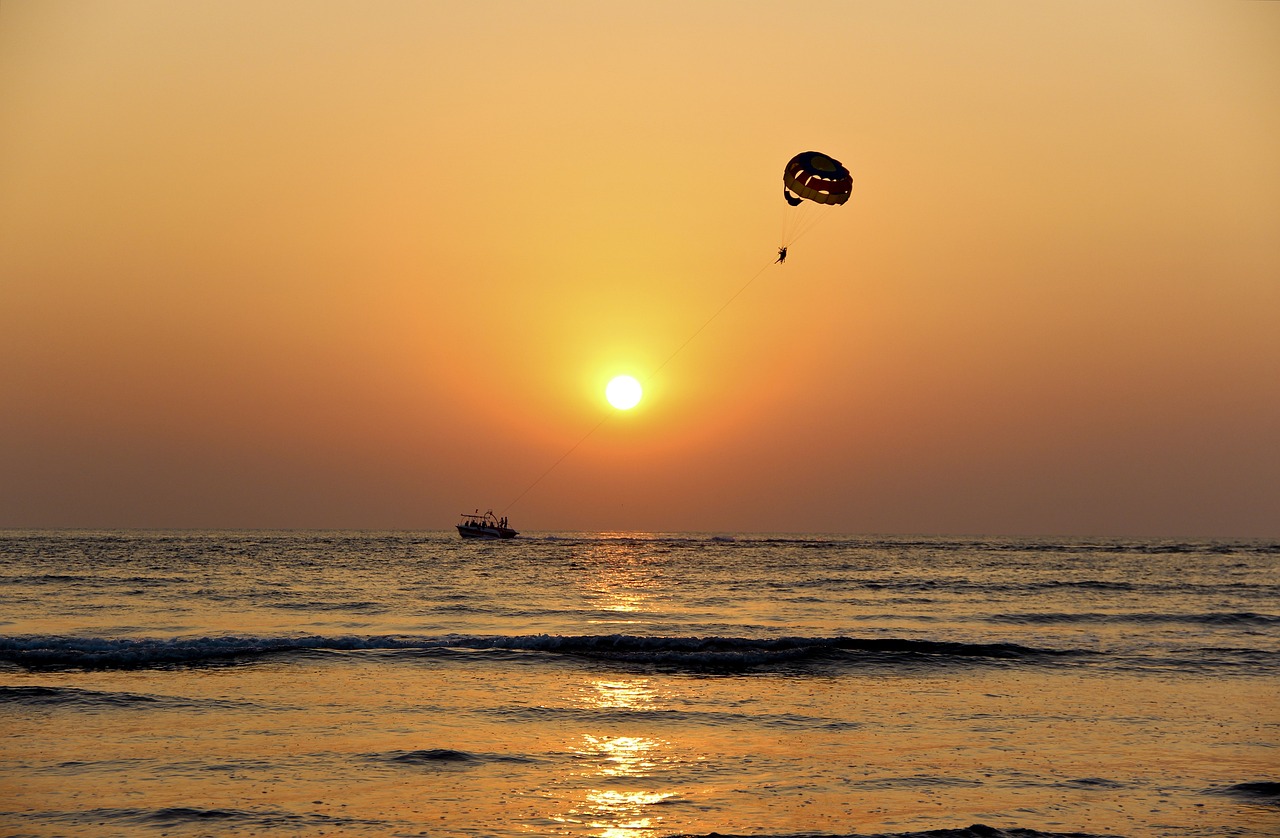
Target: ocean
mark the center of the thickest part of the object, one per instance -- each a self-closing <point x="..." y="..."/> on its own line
<point x="636" y="685"/>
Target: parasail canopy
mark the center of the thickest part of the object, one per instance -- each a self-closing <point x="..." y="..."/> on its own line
<point x="816" y="177"/>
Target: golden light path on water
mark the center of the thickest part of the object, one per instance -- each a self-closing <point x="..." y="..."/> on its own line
<point x="621" y="583"/>
<point x="629" y="761"/>
<point x="622" y="779"/>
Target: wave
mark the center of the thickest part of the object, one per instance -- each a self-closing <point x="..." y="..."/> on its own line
<point x="977" y="830"/>
<point x="37" y="696"/>
<point x="1265" y="791"/>
<point x="983" y="587"/>
<point x="1239" y="618"/>
<point x="206" y="818"/>
<point x="915" y="782"/>
<point x="698" y="653"/>
<point x="358" y="606"/>
<point x="1090" y="783"/>
<point x="443" y="757"/>
<point x="724" y="719"/>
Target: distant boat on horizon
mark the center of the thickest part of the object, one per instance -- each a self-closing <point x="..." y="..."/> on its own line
<point x="488" y="525"/>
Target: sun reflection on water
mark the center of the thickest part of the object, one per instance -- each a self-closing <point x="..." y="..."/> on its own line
<point x="624" y="694"/>
<point x="623" y="756"/>
<point x="621" y="769"/>
<point x="623" y="580"/>
<point x="627" y="761"/>
<point x="621" y="813"/>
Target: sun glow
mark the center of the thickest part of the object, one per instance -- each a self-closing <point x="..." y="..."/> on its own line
<point x="623" y="392"/>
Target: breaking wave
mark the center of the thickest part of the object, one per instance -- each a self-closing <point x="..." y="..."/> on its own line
<point x="697" y="653"/>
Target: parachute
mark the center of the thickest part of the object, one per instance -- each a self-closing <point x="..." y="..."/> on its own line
<point x="811" y="178"/>
<point x="816" y="177"/>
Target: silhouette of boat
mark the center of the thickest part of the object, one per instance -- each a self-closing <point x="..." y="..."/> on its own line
<point x="488" y="525"/>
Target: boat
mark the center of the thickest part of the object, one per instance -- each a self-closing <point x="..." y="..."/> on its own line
<point x="488" y="525"/>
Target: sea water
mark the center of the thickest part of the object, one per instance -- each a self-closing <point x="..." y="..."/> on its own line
<point x="631" y="685"/>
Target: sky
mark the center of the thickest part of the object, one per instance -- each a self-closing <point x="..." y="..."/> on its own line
<point x="370" y="265"/>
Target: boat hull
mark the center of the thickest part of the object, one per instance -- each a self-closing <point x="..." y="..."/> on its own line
<point x="486" y="532"/>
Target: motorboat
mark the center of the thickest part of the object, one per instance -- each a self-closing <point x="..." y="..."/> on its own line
<point x="488" y="525"/>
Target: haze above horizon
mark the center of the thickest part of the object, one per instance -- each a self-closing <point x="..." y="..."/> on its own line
<point x="336" y="266"/>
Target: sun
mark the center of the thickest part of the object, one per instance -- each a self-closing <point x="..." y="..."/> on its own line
<point x="623" y="392"/>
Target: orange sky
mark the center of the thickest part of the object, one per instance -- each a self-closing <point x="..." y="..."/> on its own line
<point x="303" y="264"/>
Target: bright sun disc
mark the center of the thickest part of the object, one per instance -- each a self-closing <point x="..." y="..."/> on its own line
<point x="623" y="392"/>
